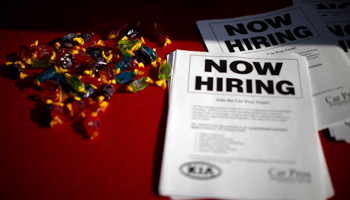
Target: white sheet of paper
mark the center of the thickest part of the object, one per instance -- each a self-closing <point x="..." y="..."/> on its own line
<point x="224" y="142"/>
<point x="336" y="15"/>
<point x="341" y="131"/>
<point x="293" y="29"/>
<point x="339" y="28"/>
<point x="327" y="7"/>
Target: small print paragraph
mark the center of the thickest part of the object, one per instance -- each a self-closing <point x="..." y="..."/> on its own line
<point x="211" y="112"/>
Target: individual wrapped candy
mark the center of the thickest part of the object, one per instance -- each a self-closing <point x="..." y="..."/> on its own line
<point x="86" y="107"/>
<point x="42" y="63"/>
<point x="75" y="82"/>
<point x="123" y="63"/>
<point x="98" y="65"/>
<point x="92" y="126"/>
<point x="51" y="85"/>
<point x="146" y="55"/>
<point x="162" y="36"/>
<point x="127" y="46"/>
<point x="23" y="55"/>
<point x="41" y="52"/>
<point x="69" y="36"/>
<point x="61" y="78"/>
<point x="82" y="58"/>
<point x="132" y="31"/>
<point x="88" y="91"/>
<point x="42" y="57"/>
<point x="127" y="76"/>
<point x="67" y="40"/>
<point x="92" y="44"/>
<point x="53" y="95"/>
<point x="107" y="75"/>
<point x="96" y="81"/>
<point x="64" y="58"/>
<point x="16" y="70"/>
<point x="116" y="33"/>
<point x="22" y="52"/>
<point x="81" y="64"/>
<point x="47" y="74"/>
<point x="94" y="52"/>
<point x="94" y="108"/>
<point x="163" y="75"/>
<point x="139" y="84"/>
<point x="86" y="36"/>
<point x="54" y="112"/>
<point x="107" y="91"/>
<point x="76" y="107"/>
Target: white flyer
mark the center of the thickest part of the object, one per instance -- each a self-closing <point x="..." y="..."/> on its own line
<point x="335" y="14"/>
<point x="339" y="28"/>
<point x="338" y="23"/>
<point x="241" y="128"/>
<point x="293" y="29"/>
<point x="328" y="7"/>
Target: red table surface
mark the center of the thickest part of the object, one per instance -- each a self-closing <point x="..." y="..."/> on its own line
<point x="123" y="162"/>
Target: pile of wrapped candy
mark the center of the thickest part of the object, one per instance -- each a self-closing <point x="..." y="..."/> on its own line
<point x="80" y="72"/>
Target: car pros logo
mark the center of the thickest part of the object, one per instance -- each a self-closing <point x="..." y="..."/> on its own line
<point x="200" y="170"/>
<point x="290" y="175"/>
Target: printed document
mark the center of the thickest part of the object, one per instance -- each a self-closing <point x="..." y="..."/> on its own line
<point x="294" y="29"/>
<point x="241" y="127"/>
<point x="338" y="22"/>
<point x="335" y="14"/>
<point x="327" y="7"/>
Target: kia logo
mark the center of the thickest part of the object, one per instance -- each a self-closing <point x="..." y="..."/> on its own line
<point x="200" y="170"/>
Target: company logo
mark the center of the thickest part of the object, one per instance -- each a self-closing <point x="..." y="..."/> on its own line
<point x="290" y="175"/>
<point x="200" y="170"/>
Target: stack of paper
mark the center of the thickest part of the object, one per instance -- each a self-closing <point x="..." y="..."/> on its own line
<point x="336" y="16"/>
<point x="244" y="117"/>
<point x="294" y="29"/>
<point x="241" y="127"/>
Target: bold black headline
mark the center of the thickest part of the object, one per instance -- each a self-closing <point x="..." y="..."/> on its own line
<point x="250" y="86"/>
<point x="341" y="32"/>
<point x="277" y="38"/>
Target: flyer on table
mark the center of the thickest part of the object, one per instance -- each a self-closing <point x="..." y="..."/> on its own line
<point x="335" y="14"/>
<point x="241" y="128"/>
<point x="328" y="7"/>
<point x="293" y="29"/>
